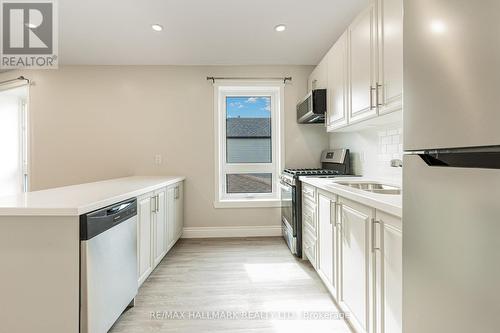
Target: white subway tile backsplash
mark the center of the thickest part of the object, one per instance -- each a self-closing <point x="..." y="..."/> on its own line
<point x="392" y="148"/>
<point x="381" y="145"/>
<point x="390" y="145"/>
<point x="392" y="132"/>
<point x="385" y="140"/>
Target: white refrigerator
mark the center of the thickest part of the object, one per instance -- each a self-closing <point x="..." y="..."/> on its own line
<point x="451" y="174"/>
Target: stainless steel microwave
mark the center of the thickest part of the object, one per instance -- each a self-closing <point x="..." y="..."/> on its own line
<point x="312" y="109"/>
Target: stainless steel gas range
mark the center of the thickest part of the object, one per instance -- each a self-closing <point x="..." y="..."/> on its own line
<point x="334" y="163"/>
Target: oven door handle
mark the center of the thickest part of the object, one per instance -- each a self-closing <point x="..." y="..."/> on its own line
<point x="285" y="186"/>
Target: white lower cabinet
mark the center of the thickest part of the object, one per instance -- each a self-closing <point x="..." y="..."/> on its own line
<point x="159" y="226"/>
<point x="175" y="218"/>
<point x="160" y="223"/>
<point x="309" y="225"/>
<point x="389" y="273"/>
<point x="144" y="236"/>
<point x="328" y="240"/>
<point x="359" y="259"/>
<point x="356" y="269"/>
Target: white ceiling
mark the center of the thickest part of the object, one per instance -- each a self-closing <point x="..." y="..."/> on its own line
<point x="200" y="32"/>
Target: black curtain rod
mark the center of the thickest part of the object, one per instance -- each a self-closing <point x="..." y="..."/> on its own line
<point x="284" y="79"/>
<point x="16" y="79"/>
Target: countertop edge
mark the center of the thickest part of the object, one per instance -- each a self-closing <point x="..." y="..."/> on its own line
<point x="76" y="211"/>
<point x="383" y="206"/>
<point x="125" y="196"/>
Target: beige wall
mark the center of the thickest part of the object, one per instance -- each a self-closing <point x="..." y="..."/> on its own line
<point x="98" y="122"/>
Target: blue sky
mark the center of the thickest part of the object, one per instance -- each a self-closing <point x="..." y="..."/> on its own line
<point x="248" y="107"/>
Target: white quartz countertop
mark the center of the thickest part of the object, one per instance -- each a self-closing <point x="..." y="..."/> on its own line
<point x="391" y="204"/>
<point x="83" y="198"/>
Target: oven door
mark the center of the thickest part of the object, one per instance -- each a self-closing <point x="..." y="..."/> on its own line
<point x="288" y="218"/>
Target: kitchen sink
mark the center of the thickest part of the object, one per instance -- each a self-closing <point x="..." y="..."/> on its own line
<point x="373" y="187"/>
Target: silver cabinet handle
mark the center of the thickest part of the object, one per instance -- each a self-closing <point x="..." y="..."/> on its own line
<point x="176" y="192"/>
<point x="153" y="209"/>
<point x="333" y="205"/>
<point x="372" y="89"/>
<point x="379" y="86"/>
<point x="374" y="233"/>
<point x="338" y="219"/>
<point x="157" y="203"/>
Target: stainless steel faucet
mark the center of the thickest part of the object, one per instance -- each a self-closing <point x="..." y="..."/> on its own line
<point x="396" y="163"/>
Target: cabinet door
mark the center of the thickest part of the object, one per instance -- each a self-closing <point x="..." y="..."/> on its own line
<point x="362" y="37"/>
<point x="160" y="222"/>
<point x="356" y="277"/>
<point x="171" y="222"/>
<point x="145" y="213"/>
<point x="337" y="85"/>
<point x="390" y="51"/>
<point x="327" y="241"/>
<point x="389" y="267"/>
<point x="319" y="76"/>
<point x="179" y="210"/>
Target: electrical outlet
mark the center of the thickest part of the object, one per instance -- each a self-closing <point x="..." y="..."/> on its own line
<point x="158" y="159"/>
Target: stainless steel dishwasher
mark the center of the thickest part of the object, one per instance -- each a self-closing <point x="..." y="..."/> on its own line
<point x="108" y="265"/>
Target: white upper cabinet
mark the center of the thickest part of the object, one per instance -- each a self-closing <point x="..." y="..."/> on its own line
<point x="363" y="71"/>
<point x="390" y="55"/>
<point x="362" y="61"/>
<point x="319" y="76"/>
<point x="337" y="85"/>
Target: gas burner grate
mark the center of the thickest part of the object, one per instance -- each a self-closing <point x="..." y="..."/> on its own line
<point x="311" y="172"/>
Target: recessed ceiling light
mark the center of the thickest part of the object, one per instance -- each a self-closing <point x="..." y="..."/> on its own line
<point x="280" y="27"/>
<point x="157" y="27"/>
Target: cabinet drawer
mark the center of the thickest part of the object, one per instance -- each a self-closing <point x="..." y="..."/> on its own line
<point x="309" y="217"/>
<point x="309" y="246"/>
<point x="309" y="192"/>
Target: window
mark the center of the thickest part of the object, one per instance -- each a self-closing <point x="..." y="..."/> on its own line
<point x="13" y="139"/>
<point x="248" y="144"/>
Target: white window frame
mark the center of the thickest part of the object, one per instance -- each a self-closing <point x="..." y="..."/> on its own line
<point x="24" y="139"/>
<point x="244" y="200"/>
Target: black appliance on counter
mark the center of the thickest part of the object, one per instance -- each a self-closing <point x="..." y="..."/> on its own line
<point x="334" y="163"/>
<point x="312" y="109"/>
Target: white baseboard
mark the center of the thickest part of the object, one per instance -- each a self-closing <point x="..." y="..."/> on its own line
<point x="226" y="232"/>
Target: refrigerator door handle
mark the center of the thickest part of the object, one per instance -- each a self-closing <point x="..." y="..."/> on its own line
<point x="482" y="157"/>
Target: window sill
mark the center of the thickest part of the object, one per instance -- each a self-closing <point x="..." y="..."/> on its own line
<point x="248" y="203"/>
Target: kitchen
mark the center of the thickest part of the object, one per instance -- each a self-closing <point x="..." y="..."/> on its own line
<point x="250" y="172"/>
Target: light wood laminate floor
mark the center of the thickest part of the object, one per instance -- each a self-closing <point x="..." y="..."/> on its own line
<point x="256" y="277"/>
